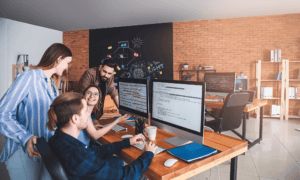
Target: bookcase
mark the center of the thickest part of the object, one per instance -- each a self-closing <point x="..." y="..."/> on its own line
<point x="278" y="85"/>
<point x="20" y="69"/>
<point x="292" y="79"/>
<point x="281" y="86"/>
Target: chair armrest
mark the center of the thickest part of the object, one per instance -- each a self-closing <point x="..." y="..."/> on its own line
<point x="211" y="114"/>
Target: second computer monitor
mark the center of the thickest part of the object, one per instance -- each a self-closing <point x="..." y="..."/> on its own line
<point x="219" y="83"/>
<point x="178" y="108"/>
<point x="134" y="97"/>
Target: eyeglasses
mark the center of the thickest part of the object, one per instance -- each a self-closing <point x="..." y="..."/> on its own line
<point x="90" y="93"/>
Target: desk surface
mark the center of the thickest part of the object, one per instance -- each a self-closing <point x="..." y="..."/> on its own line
<point x="229" y="147"/>
<point x="256" y="104"/>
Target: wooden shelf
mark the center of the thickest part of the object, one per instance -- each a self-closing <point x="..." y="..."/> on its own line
<point x="294" y="61"/>
<point x="293" y="116"/>
<point x="270" y="98"/>
<point x="269" y="80"/>
<point x="295" y="99"/>
<point x="269" y="62"/>
<point x="268" y="116"/>
<point x="296" y="80"/>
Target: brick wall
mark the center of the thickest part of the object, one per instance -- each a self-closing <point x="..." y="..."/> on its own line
<point x="78" y="42"/>
<point x="230" y="45"/>
<point x="234" y="45"/>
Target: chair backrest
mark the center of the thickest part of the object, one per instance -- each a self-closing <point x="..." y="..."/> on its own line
<point x="232" y="111"/>
<point x="52" y="163"/>
<point x="251" y="95"/>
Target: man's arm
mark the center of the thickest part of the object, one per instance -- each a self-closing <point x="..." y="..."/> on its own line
<point x="116" y="100"/>
<point x="86" y="79"/>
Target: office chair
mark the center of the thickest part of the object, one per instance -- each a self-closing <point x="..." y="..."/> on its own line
<point x="231" y="114"/>
<point x="52" y="163"/>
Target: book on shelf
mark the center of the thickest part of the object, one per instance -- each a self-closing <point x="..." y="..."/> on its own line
<point x="275" y="56"/>
<point x="275" y="77"/>
<point x="275" y="111"/>
<point x="266" y="92"/>
<point x="279" y="76"/>
<point x="279" y="55"/>
<point x="293" y="92"/>
<point x="272" y="55"/>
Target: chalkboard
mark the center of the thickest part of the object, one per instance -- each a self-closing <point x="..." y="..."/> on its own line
<point x="144" y="51"/>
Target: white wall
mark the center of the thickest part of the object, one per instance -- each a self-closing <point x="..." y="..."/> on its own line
<point x="22" y="38"/>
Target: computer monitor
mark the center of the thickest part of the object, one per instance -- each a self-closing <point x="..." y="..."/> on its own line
<point x="134" y="97"/>
<point x="178" y="108"/>
<point x="219" y="84"/>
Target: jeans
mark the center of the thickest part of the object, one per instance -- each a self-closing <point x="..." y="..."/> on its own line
<point x="21" y="167"/>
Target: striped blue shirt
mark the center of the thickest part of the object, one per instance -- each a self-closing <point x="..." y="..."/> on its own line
<point x="23" y="110"/>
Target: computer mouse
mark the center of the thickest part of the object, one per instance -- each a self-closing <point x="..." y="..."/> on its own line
<point x="170" y="162"/>
<point x="126" y="136"/>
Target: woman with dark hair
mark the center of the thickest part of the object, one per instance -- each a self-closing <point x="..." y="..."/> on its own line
<point x="69" y="113"/>
<point x="23" y="113"/>
<point x="91" y="95"/>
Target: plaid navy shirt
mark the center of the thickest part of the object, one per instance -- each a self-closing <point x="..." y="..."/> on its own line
<point x="82" y="162"/>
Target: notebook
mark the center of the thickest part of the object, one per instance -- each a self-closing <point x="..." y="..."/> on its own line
<point x="129" y="119"/>
<point x="192" y="152"/>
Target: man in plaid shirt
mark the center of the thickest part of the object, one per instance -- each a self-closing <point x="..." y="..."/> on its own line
<point x="69" y="114"/>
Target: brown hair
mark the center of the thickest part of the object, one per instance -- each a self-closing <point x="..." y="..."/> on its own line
<point x="97" y="105"/>
<point x="63" y="108"/>
<point x="49" y="59"/>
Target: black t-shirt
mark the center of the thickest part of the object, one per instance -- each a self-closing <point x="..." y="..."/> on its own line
<point x="102" y="88"/>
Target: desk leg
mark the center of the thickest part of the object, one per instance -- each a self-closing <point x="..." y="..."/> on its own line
<point x="261" y="122"/>
<point x="244" y="126"/>
<point x="233" y="168"/>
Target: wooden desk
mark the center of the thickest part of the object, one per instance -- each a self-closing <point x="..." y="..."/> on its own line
<point x="230" y="148"/>
<point x="258" y="103"/>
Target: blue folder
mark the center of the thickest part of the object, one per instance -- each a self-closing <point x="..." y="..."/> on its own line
<point x="129" y="119"/>
<point x="192" y="152"/>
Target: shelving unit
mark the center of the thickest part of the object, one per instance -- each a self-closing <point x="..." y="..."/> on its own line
<point x="280" y="95"/>
<point x="198" y="70"/>
<point x="284" y="67"/>
<point x="20" y="67"/>
<point x="287" y="84"/>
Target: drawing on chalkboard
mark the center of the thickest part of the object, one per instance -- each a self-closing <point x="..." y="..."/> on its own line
<point x="124" y="54"/>
<point x="137" y="42"/>
<point x="124" y="57"/>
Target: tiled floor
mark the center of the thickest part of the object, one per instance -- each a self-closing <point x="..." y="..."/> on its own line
<point x="276" y="157"/>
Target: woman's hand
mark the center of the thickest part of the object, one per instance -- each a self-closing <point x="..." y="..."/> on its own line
<point x="123" y="118"/>
<point x="30" y="147"/>
<point x="137" y="139"/>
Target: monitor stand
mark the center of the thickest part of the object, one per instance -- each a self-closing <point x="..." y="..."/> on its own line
<point x="177" y="141"/>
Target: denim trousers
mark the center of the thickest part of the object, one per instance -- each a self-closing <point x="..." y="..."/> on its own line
<point x="21" y="167"/>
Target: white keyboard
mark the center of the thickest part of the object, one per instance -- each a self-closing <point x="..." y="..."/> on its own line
<point x="117" y="127"/>
<point x="141" y="147"/>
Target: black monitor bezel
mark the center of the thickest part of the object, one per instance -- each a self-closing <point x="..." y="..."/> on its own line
<point x="202" y="109"/>
<point x="232" y="73"/>
<point x="138" y="81"/>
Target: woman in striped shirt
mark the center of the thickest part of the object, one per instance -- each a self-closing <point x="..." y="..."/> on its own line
<point x="23" y="113"/>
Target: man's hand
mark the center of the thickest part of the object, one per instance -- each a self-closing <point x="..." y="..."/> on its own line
<point x="150" y="147"/>
<point x="137" y="139"/>
<point x="123" y="118"/>
<point x="30" y="148"/>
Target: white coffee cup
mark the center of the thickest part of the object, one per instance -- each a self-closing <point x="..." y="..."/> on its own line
<point x="151" y="131"/>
